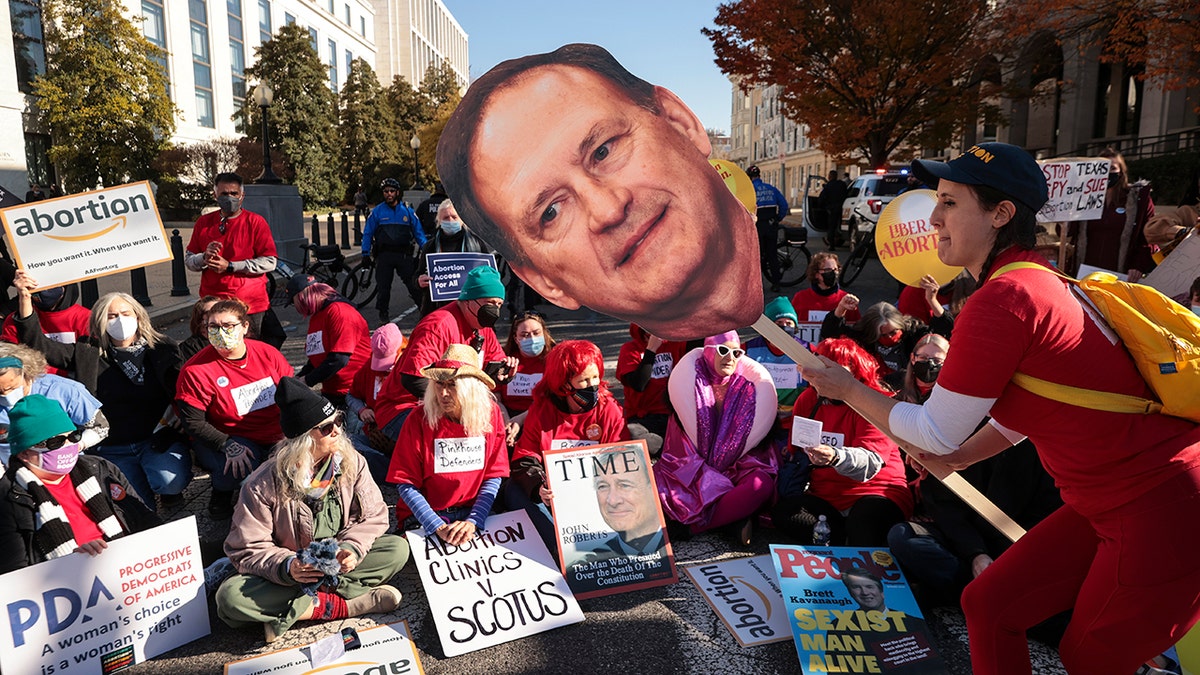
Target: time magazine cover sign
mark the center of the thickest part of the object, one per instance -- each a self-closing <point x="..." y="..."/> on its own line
<point x="852" y="611"/>
<point x="610" y="529"/>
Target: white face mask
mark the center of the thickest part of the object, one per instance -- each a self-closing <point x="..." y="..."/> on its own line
<point x="122" y="328"/>
<point x="11" y="398"/>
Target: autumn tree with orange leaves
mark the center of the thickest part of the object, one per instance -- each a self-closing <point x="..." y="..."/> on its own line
<point x="866" y="76"/>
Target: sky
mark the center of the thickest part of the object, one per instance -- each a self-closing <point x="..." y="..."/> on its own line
<point x="656" y="40"/>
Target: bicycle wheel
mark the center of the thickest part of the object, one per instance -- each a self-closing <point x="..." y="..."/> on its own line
<point x="360" y="280"/>
<point x="858" y="259"/>
<point x="793" y="263"/>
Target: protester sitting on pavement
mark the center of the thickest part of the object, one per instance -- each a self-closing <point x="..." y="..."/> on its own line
<point x="59" y="315"/>
<point x="782" y="368"/>
<point x="925" y="301"/>
<point x="55" y="501"/>
<point x="458" y="420"/>
<point x="467" y="321"/>
<point x="643" y="367"/>
<point x="882" y="331"/>
<point x="386" y="344"/>
<point x="821" y="297"/>
<point x="132" y="370"/>
<point x="315" y="487"/>
<point x="23" y="372"/>
<point x="530" y="342"/>
<point x="450" y="236"/>
<point x="338" y="342"/>
<point x="198" y="327"/>
<point x="718" y="464"/>
<point x="858" y="481"/>
<point x="571" y="407"/>
<point x="225" y="400"/>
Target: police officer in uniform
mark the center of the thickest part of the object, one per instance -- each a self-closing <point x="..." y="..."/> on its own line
<point x="393" y="236"/>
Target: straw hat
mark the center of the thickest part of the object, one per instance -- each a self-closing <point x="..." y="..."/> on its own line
<point x="458" y="361"/>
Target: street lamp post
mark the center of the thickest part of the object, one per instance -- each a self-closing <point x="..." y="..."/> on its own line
<point x="415" y="144"/>
<point x="263" y="96"/>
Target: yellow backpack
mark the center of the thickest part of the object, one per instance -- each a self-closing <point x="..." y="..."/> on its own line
<point x="1162" y="336"/>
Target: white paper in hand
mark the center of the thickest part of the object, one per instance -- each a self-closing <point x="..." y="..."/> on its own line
<point x="806" y="433"/>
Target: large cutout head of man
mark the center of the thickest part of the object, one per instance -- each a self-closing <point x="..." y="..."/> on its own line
<point x="595" y="185"/>
<point x="626" y="498"/>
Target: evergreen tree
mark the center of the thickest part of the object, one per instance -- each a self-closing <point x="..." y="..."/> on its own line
<point x="103" y="97"/>
<point x="363" y="131"/>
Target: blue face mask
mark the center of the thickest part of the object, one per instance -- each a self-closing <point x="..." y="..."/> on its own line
<point x="1196" y="310"/>
<point x="532" y="346"/>
<point x="451" y="226"/>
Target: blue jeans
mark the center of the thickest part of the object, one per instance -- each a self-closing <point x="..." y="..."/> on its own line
<point x="377" y="462"/>
<point x="392" y="429"/>
<point x="150" y="472"/>
<point x="213" y="460"/>
<point x="925" y="559"/>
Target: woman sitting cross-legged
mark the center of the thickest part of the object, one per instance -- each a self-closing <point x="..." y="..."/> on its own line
<point x="315" y="487"/>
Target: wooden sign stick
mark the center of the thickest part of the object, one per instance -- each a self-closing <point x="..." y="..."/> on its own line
<point x="957" y="484"/>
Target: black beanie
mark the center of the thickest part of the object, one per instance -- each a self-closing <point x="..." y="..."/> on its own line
<point x="300" y="408"/>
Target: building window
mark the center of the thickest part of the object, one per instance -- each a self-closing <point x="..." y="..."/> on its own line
<point x="346" y="14"/>
<point x="349" y="60"/>
<point x="289" y="19"/>
<point x="312" y="40"/>
<point x="329" y="5"/>
<point x="202" y="64"/>
<point x="362" y="26"/>
<point x="237" y="59"/>
<point x="333" y="65"/>
<point x="154" y="28"/>
<point x="29" y="46"/>
<point x="264" y="20"/>
<point x="37" y="159"/>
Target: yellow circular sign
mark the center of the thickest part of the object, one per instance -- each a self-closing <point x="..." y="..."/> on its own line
<point x="738" y="183"/>
<point x="906" y="242"/>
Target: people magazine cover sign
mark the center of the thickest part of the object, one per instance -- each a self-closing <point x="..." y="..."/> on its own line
<point x="609" y="524"/>
<point x="852" y="611"/>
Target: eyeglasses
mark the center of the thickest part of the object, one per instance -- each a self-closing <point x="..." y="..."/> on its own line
<point x="327" y="428"/>
<point x="723" y="351"/>
<point x="56" y="442"/>
<point x="928" y="359"/>
<point x="226" y="326"/>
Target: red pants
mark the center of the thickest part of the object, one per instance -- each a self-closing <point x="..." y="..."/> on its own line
<point x="1132" y="576"/>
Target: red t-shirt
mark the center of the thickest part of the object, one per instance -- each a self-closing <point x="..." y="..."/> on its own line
<point x="547" y="427"/>
<point x="849" y="429"/>
<point x="366" y="384"/>
<point x="653" y="399"/>
<point x="1028" y="321"/>
<point x="517" y="395"/>
<point x="83" y="523"/>
<point x="67" y="326"/>
<point x="811" y="308"/>
<point x="238" y="396"/>
<point x="912" y="303"/>
<point x="446" y="465"/>
<point x="426" y="344"/>
<point x="246" y="236"/>
<point x="338" y="327"/>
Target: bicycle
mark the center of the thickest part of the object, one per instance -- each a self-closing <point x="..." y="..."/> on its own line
<point x="360" y="279"/>
<point x="862" y="250"/>
<point x="324" y="263"/>
<point x="793" y="244"/>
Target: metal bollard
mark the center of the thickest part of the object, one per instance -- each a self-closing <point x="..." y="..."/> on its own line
<point x="357" y="231"/>
<point x="89" y="292"/>
<point x="329" y="230"/>
<point x="179" y="285"/>
<point x="138" y="287"/>
<point x="316" y="231"/>
<point x="345" y="232"/>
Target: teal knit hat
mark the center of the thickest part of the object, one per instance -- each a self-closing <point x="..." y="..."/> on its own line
<point x="780" y="308"/>
<point x="481" y="282"/>
<point x="34" y="419"/>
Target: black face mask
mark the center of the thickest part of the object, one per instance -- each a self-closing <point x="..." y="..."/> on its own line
<point x="926" y="371"/>
<point x="48" y="299"/>
<point x="829" y="278"/>
<point x="1114" y="179"/>
<point x="586" y="398"/>
<point x="487" y="315"/>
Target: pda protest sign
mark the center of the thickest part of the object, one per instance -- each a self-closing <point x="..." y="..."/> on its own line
<point x="609" y="524"/>
<point x="386" y="649"/>
<point x="447" y="271"/>
<point x="745" y="595"/>
<point x="500" y="586"/>
<point x="87" y="235"/>
<point x="906" y="242"/>
<point x="79" y="614"/>
<point x="851" y="611"/>
<point x="1076" y="187"/>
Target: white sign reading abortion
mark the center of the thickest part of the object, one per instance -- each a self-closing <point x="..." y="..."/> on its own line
<point x="1076" y="187"/>
<point x="500" y="586"/>
<point x="745" y="595"/>
<point x="81" y="615"/>
<point x="87" y="235"/>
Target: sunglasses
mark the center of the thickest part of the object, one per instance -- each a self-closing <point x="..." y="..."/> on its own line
<point x="56" y="442"/>
<point x="723" y="351"/>
<point x="327" y="428"/>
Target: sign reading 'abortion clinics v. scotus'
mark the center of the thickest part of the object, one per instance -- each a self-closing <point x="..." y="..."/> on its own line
<point x="87" y="235"/>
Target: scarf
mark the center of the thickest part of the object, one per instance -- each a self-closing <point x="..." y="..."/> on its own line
<point x="132" y="361"/>
<point x="322" y="477"/>
<point x="53" y="535"/>
<point x="721" y="434"/>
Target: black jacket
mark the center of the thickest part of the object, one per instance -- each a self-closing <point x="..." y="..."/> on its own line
<point x="17" y="512"/>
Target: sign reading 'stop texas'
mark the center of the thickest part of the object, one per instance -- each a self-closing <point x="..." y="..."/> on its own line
<point x="595" y="185"/>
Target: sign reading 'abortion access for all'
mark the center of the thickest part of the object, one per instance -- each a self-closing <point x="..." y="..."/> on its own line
<point x="87" y="235"/>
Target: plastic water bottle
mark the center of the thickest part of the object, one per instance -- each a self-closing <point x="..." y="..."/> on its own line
<point x="821" y="532"/>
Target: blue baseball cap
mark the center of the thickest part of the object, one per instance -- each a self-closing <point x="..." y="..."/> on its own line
<point x="1007" y="168"/>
